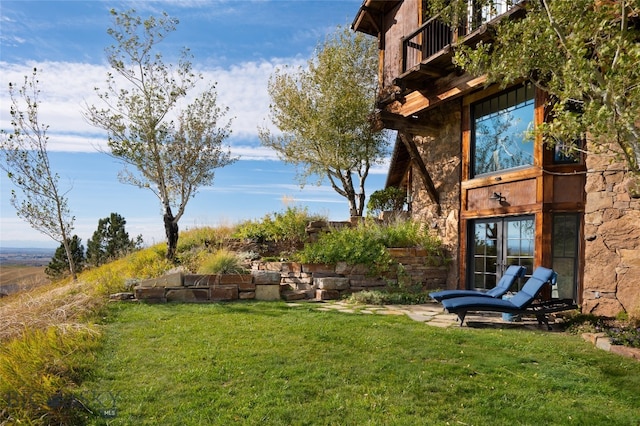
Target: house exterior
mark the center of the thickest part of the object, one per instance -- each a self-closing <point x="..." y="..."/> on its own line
<point x="474" y="175"/>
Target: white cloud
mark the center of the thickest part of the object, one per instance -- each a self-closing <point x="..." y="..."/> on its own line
<point x="67" y="88"/>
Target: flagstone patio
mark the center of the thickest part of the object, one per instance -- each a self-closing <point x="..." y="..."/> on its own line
<point x="429" y="313"/>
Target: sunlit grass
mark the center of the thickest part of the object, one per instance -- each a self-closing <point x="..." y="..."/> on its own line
<point x="266" y="363"/>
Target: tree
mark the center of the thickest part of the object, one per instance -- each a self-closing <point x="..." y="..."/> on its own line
<point x="586" y="55"/>
<point x="324" y="115"/>
<point x="40" y="200"/>
<point x="172" y="158"/>
<point x="391" y="198"/>
<point x="59" y="263"/>
<point x="110" y="241"/>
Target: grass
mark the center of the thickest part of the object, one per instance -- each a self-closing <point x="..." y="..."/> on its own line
<point x="266" y="363"/>
<point x="249" y="363"/>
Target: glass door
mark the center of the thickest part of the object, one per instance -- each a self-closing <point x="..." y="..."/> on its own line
<point x="566" y="237"/>
<point x="497" y="244"/>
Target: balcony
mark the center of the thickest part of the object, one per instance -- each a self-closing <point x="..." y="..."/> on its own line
<point x="426" y="53"/>
<point x="432" y="37"/>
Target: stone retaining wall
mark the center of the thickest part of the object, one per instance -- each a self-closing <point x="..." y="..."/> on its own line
<point x="179" y="287"/>
<point x="293" y="281"/>
<point x="601" y="341"/>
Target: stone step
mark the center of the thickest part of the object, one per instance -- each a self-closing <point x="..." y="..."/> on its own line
<point x="294" y="295"/>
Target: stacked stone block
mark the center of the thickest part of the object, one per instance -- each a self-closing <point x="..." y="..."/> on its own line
<point x="293" y="281"/>
<point x="612" y="239"/>
<point x="178" y="287"/>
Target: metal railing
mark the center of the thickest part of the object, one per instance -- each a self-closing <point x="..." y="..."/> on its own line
<point x="433" y="36"/>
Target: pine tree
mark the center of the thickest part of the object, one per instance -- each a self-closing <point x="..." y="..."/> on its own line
<point x="59" y="265"/>
<point x="110" y="241"/>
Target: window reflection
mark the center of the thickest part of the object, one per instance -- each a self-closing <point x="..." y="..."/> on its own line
<point x="501" y="131"/>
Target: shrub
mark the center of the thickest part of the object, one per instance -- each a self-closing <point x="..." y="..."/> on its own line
<point x="621" y="331"/>
<point x="287" y="228"/>
<point x="366" y="244"/>
<point x="208" y="237"/>
<point x="147" y="263"/>
<point x="628" y="335"/>
<point x="222" y="262"/>
<point x="192" y="259"/>
<point x="352" y="245"/>
<point x="407" y="233"/>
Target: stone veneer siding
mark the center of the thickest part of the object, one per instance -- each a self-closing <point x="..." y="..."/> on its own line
<point x="612" y="241"/>
<point x="441" y="153"/>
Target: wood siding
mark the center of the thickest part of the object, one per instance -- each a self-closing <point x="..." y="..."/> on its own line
<point x="402" y="20"/>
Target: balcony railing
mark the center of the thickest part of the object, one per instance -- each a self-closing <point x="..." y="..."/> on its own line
<point x="434" y="35"/>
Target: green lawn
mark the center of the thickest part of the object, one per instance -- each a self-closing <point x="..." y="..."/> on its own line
<point x="269" y="364"/>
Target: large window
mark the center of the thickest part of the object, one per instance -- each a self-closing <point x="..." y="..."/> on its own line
<point x="501" y="131"/>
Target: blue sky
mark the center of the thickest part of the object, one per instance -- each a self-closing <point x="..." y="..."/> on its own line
<point x="237" y="44"/>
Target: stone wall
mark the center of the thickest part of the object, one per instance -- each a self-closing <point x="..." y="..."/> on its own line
<point x="295" y="281"/>
<point x="179" y="287"/>
<point x="324" y="282"/>
<point x="612" y="240"/>
<point x="441" y="153"/>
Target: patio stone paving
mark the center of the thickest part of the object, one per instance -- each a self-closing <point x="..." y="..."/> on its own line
<point x="429" y="313"/>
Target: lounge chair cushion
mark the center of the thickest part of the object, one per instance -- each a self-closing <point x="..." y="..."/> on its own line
<point x="516" y="304"/>
<point x="507" y="279"/>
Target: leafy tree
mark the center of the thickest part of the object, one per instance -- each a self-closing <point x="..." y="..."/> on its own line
<point x="59" y="264"/>
<point x="391" y="198"/>
<point x="170" y="157"/>
<point x="586" y="55"/>
<point x="324" y="115"/>
<point x="40" y="201"/>
<point x="110" y="241"/>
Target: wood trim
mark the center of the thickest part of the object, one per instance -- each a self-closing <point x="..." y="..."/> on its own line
<point x="528" y="209"/>
<point x="504" y="177"/>
<point x="486" y="93"/>
<point x="542" y="257"/>
<point x="539" y="112"/>
<point x="564" y="208"/>
<point x="466" y="144"/>
<point x="463" y="250"/>
<point x="542" y="207"/>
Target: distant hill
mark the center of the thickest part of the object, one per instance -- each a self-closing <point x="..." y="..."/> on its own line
<point x="25" y="256"/>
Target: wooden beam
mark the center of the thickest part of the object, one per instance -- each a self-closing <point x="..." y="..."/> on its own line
<point x="406" y="124"/>
<point x="370" y="13"/>
<point x="416" y="102"/>
<point x="422" y="169"/>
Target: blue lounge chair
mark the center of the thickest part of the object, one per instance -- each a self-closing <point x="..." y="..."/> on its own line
<point x="521" y="303"/>
<point x="512" y="273"/>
